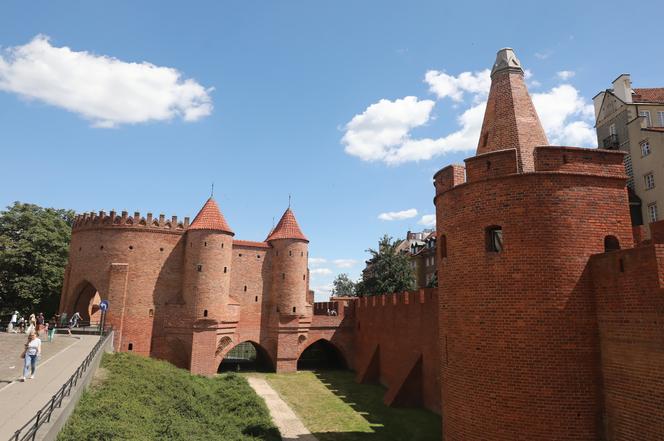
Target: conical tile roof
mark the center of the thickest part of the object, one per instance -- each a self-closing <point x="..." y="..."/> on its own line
<point x="210" y="218"/>
<point x="287" y="228"/>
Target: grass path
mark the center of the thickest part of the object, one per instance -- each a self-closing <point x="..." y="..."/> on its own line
<point x="335" y="408"/>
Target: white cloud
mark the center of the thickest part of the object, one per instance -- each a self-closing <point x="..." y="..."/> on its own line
<point x="315" y="261"/>
<point x="543" y="55"/>
<point x="428" y="220"/>
<point x="566" y="116"/>
<point x="107" y="91"/>
<point x="323" y="291"/>
<point x="382" y="131"/>
<point x="444" y="85"/>
<point x="565" y="74"/>
<point x="320" y="272"/>
<point x="345" y="263"/>
<point x="384" y="126"/>
<point x="398" y="215"/>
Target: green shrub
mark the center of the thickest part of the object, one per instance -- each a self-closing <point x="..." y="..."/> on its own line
<point x="146" y="399"/>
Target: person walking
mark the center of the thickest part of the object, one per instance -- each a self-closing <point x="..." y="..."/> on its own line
<point x="51" y="328"/>
<point x="41" y="321"/>
<point x="73" y="321"/>
<point x="12" y="322"/>
<point x="30" y="355"/>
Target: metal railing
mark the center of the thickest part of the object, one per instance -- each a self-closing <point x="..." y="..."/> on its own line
<point x="43" y="416"/>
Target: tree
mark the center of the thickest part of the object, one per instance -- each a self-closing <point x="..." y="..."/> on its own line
<point x="34" y="242"/>
<point x="387" y="271"/>
<point x="343" y="286"/>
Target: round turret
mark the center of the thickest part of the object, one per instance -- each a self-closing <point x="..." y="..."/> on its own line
<point x="207" y="265"/>
<point x="290" y="253"/>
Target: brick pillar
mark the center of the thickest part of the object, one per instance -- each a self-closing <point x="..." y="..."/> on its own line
<point x="117" y="296"/>
<point x="287" y="346"/>
<point x="203" y="347"/>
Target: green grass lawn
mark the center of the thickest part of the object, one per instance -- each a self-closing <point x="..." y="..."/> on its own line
<point x="335" y="408"/>
<point x="145" y="399"/>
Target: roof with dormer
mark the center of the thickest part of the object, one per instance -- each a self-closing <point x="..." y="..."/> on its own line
<point x="210" y="218"/>
<point x="287" y="228"/>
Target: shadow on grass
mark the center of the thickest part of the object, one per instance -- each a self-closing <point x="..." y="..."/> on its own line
<point x="387" y="423"/>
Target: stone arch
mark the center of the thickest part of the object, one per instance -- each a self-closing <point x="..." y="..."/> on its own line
<point x="245" y="356"/>
<point x="611" y="243"/>
<point x="86" y="301"/>
<point x="225" y="342"/>
<point x="321" y="354"/>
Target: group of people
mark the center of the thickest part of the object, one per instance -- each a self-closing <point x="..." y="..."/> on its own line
<point x="34" y="326"/>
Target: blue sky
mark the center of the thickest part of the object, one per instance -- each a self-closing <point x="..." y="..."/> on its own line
<point x="328" y="101"/>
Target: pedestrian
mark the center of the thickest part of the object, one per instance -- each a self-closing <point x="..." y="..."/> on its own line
<point x="12" y="322"/>
<point x="33" y="319"/>
<point x="21" y="324"/>
<point x="73" y="321"/>
<point x="51" y="328"/>
<point x="41" y="321"/>
<point x="63" y="319"/>
<point x="30" y="355"/>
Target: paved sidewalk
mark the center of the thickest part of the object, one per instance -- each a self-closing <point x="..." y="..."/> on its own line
<point x="20" y="401"/>
<point x="287" y="422"/>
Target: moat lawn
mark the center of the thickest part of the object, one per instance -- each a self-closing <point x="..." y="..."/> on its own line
<point x="335" y="408"/>
<point x="138" y="398"/>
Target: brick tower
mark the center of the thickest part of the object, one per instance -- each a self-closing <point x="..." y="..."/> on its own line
<point x="517" y="224"/>
<point x="206" y="280"/>
<point x="290" y="252"/>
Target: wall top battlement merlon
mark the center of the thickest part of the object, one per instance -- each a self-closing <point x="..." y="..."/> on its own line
<point x="424" y="295"/>
<point x="491" y="165"/>
<point x="92" y="220"/>
<point x="599" y="162"/>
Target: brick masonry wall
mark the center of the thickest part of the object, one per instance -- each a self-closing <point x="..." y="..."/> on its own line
<point x="519" y="339"/>
<point x="399" y="330"/>
<point x="629" y="286"/>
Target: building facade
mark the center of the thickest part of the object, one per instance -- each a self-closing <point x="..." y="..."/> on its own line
<point x="632" y="120"/>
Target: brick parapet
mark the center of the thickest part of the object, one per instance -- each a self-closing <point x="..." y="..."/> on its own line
<point x="491" y="165"/>
<point x="93" y="220"/>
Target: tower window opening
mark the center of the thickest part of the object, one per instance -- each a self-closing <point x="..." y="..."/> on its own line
<point x="151" y="313"/>
<point x="442" y="244"/>
<point x="245" y="288"/>
<point x="101" y="247"/>
<point x="301" y="253"/>
<point x="283" y="276"/>
<point x="199" y="268"/>
<point x="222" y="244"/>
<point x="131" y="247"/>
<point x="225" y="269"/>
<point x="256" y="299"/>
<point x="258" y="256"/>
<point x="494" y="239"/>
<point x="293" y="309"/>
<point x="130" y="347"/>
<point x="161" y="249"/>
<point x="204" y="244"/>
<point x="304" y="277"/>
<point x="611" y="243"/>
<point x="290" y="253"/>
<point x="205" y="313"/>
<point x="239" y="255"/>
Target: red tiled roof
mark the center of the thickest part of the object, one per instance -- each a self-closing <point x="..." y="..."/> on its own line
<point x="210" y="218"/>
<point x="651" y="95"/>
<point x="287" y="228"/>
<point x="249" y="243"/>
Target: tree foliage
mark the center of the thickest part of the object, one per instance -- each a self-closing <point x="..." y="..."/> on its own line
<point x="387" y="271"/>
<point x="34" y="243"/>
<point x="343" y="286"/>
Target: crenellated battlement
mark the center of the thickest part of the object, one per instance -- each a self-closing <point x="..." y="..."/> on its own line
<point x="579" y="160"/>
<point x="422" y="296"/>
<point x="92" y="220"/>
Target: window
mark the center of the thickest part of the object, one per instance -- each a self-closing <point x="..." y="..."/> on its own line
<point x="646" y="117"/>
<point x="293" y="309"/>
<point x="205" y="313"/>
<point x="494" y="239"/>
<point x="645" y="148"/>
<point x="442" y="244"/>
<point x="649" y="179"/>
<point x="151" y="313"/>
<point x="130" y="347"/>
<point x="652" y="212"/>
<point x="612" y="129"/>
<point x="611" y="243"/>
<point x="660" y="116"/>
<point x="225" y="269"/>
<point x="245" y="288"/>
<point x="199" y="268"/>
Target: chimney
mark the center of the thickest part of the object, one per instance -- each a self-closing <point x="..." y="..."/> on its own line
<point x="622" y="88"/>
